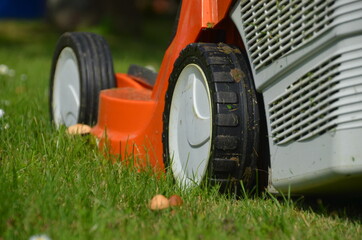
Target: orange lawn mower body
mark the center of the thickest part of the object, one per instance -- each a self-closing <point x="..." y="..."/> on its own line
<point x="131" y="115"/>
<point x="249" y="93"/>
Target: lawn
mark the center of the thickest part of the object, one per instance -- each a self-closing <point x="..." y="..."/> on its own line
<point x="65" y="188"/>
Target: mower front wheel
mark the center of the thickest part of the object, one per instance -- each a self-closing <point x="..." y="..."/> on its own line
<point x="82" y="67"/>
<point x="211" y="119"/>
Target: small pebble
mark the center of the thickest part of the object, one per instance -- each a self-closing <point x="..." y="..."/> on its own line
<point x="175" y="201"/>
<point x="159" y="202"/>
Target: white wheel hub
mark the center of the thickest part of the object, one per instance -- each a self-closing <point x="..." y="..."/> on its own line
<point x="66" y="89"/>
<point x="190" y="126"/>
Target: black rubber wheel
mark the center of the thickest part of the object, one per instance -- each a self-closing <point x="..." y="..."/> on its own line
<point x="234" y="117"/>
<point x="82" y="67"/>
<point x="143" y="74"/>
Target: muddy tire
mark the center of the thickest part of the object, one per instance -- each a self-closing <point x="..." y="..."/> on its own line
<point x="211" y="119"/>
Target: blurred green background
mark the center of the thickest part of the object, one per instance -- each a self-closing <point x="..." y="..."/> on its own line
<point x="27" y="43"/>
<point x="138" y="31"/>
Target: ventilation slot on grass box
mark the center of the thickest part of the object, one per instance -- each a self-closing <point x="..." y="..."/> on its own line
<point x="307" y="105"/>
<point x="274" y="28"/>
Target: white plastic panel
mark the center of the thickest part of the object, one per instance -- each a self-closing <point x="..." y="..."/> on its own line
<point x="311" y="80"/>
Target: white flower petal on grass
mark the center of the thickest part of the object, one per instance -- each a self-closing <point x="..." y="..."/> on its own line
<point x="40" y="237"/>
<point x="2" y="113"/>
<point x="4" y="69"/>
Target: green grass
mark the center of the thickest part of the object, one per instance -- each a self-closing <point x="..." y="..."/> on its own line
<point x="64" y="187"/>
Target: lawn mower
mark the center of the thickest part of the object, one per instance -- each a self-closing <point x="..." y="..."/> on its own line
<point x="249" y="93"/>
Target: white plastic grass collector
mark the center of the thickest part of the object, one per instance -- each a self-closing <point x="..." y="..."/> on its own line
<point x="309" y="70"/>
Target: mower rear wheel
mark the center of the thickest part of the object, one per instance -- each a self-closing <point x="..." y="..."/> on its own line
<point x="211" y="119"/>
<point x="82" y="67"/>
